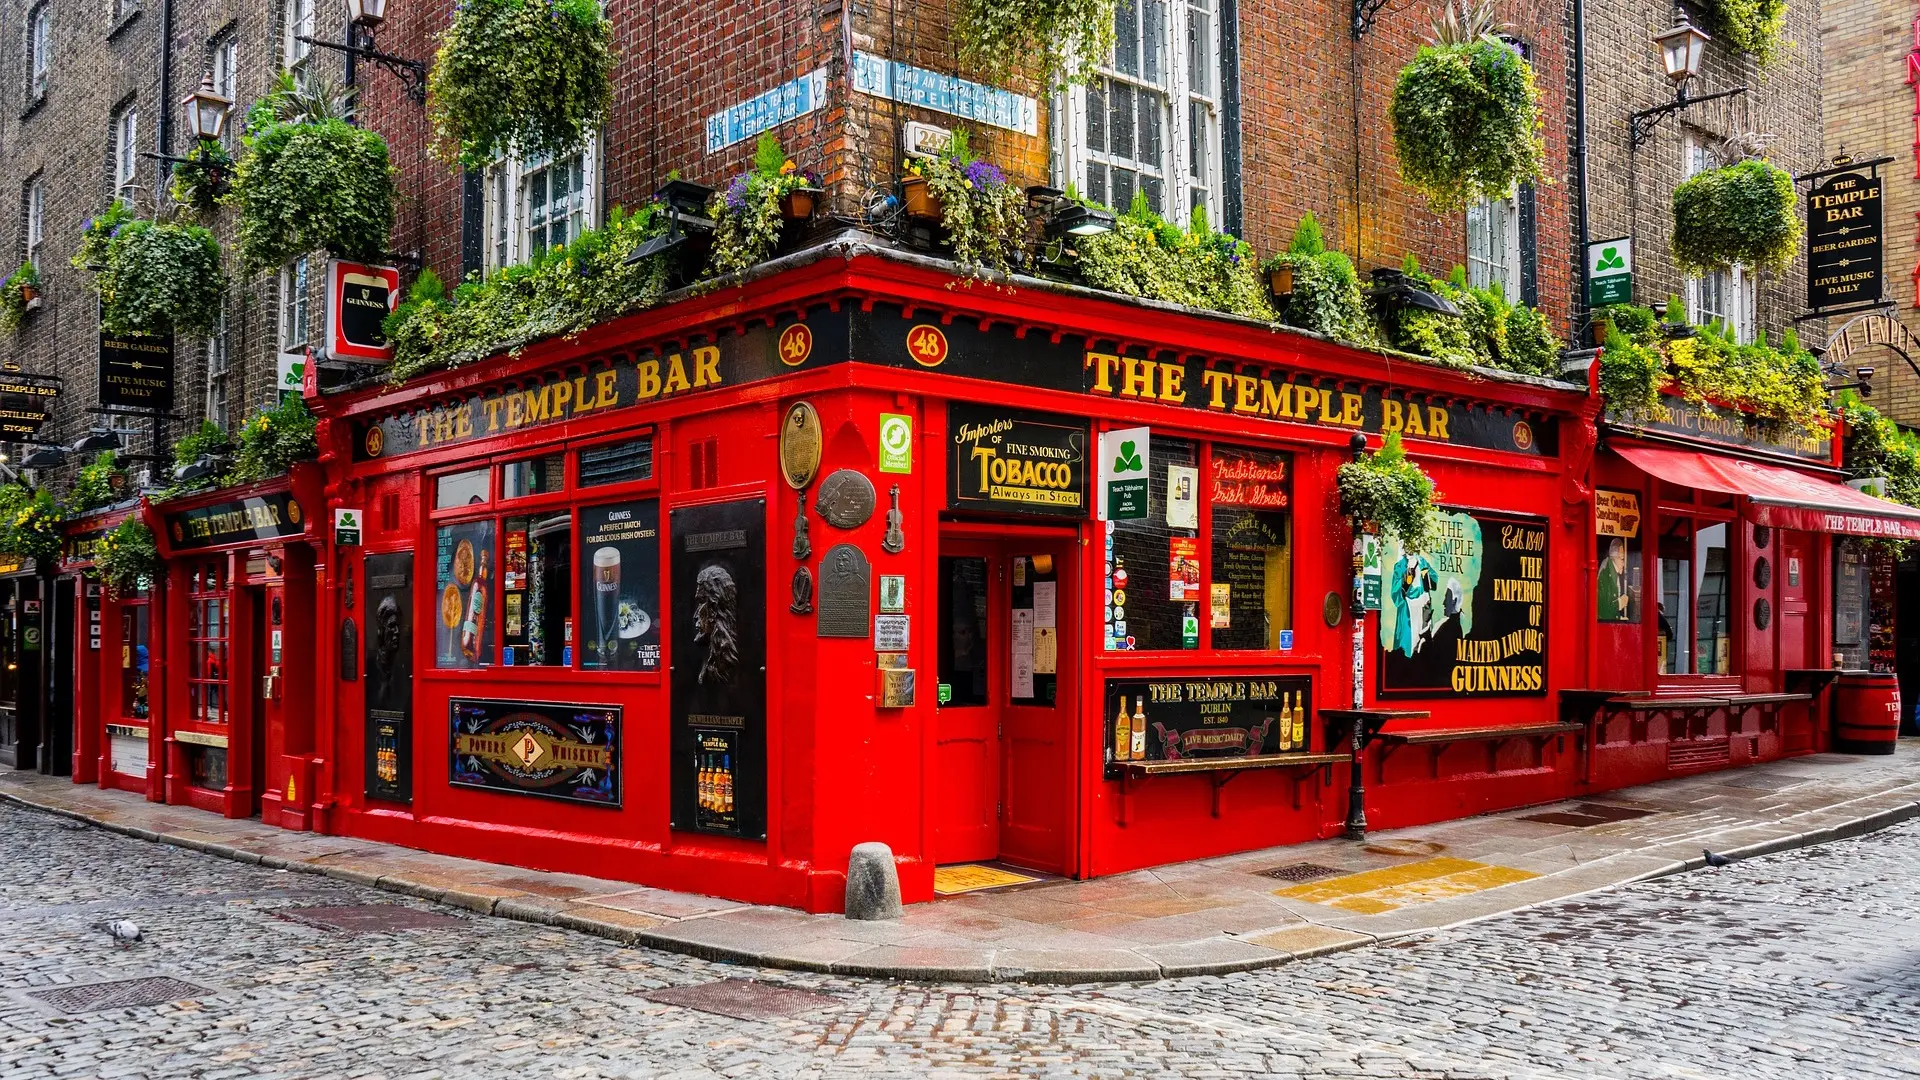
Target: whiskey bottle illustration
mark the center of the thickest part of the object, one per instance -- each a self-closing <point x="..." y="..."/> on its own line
<point x="1300" y="721"/>
<point x="1122" y="733"/>
<point x="726" y="784"/>
<point x="1138" y="738"/>
<point x="1286" y="726"/>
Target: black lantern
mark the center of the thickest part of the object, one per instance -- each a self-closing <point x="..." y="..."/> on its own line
<point x="207" y="111"/>
<point x="1076" y="221"/>
<point x="43" y="457"/>
<point x="367" y="13"/>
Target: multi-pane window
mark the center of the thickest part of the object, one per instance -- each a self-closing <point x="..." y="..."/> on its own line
<point x="1727" y="296"/>
<point x="1493" y="246"/>
<point x="126" y="151"/>
<point x="293" y="305"/>
<point x="39" y="50"/>
<point x="219" y="365"/>
<point x="299" y="24"/>
<point x="207" y="634"/>
<point x="538" y="204"/>
<point x="226" y="82"/>
<point x="1149" y="123"/>
<point x="36" y="217"/>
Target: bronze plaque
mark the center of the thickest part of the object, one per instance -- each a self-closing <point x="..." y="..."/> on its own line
<point x="800" y="443"/>
<point x="846" y="499"/>
<point x="845" y="602"/>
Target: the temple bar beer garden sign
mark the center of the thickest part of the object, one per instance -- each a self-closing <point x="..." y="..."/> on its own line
<point x="359" y="299"/>
<point x="1467" y="615"/>
<point x="1844" y="251"/>
<point x="1012" y="460"/>
<point x="569" y="752"/>
<point x="258" y="517"/>
<point x="136" y="371"/>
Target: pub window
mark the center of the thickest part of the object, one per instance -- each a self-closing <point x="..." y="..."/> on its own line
<point x="459" y="489"/>
<point x="1696" y="598"/>
<point x="463" y="625"/>
<point x="1155" y="581"/>
<point x="963" y="663"/>
<point x="1493" y="246"/>
<point x="539" y="204"/>
<point x="9" y="646"/>
<point x="1250" y="589"/>
<point x="536" y="590"/>
<point x="226" y="81"/>
<point x="533" y="476"/>
<point x="207" y="644"/>
<point x="617" y="463"/>
<point x="126" y="151"/>
<point x="135" y="632"/>
<point x="619" y="575"/>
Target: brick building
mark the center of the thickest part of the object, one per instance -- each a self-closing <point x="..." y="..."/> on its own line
<point x="97" y="89"/>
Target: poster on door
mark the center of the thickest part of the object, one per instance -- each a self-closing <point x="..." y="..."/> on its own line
<point x="718" y="681"/>
<point x="620" y="586"/>
<point x="1466" y="614"/>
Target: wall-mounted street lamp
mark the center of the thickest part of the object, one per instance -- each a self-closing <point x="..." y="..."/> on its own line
<point x="207" y="111"/>
<point x="363" y="19"/>
<point x="1681" y="48"/>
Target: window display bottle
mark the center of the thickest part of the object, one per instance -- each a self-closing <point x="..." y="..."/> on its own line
<point x="1139" y="732"/>
<point x="726" y="783"/>
<point x="1299" y="721"/>
<point x="1285" y="720"/>
<point x="706" y="784"/>
<point x="1122" y="733"/>
<point x="472" y="632"/>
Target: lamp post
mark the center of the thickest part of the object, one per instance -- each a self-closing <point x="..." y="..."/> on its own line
<point x="1681" y="47"/>
<point x="207" y="110"/>
<point x="1357" y="784"/>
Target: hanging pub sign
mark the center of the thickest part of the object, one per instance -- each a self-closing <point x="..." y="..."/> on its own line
<point x="359" y="299"/>
<point x="717" y="683"/>
<point x="1844" y="253"/>
<point x="1610" y="272"/>
<point x="1015" y="461"/>
<point x="1466" y="616"/>
<point x="26" y="403"/>
<point x="257" y="517"/>
<point x="568" y="752"/>
<point x="136" y="371"/>
<point x="1194" y="718"/>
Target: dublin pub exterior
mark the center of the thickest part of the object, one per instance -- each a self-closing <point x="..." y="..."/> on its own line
<point x="704" y="596"/>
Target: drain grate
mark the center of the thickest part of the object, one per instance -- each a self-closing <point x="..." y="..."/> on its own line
<point x="122" y="994"/>
<point x="1587" y="815"/>
<point x="370" y="918"/>
<point x="743" y="999"/>
<point x="1301" y="871"/>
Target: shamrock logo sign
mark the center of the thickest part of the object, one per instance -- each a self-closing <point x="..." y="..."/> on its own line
<point x="1129" y="459"/>
<point x="1610" y="259"/>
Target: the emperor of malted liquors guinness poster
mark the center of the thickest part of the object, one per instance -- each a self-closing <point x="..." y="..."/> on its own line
<point x="1011" y="460"/>
<point x="1466" y="615"/>
<point x="718" y="677"/>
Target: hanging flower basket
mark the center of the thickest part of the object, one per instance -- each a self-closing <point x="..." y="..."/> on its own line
<point x="1744" y="214"/>
<point x="161" y="277"/>
<point x="1466" y="117"/>
<point x="204" y="178"/>
<point x="921" y="203"/>
<point x="1755" y="27"/>
<point x="521" y="77"/>
<point x="1385" y="490"/>
<point x="309" y="181"/>
<point x="18" y="295"/>
<point x="126" y="558"/>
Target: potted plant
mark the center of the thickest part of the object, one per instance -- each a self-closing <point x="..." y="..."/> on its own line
<point x="749" y="216"/>
<point x="519" y="76"/>
<point x="19" y="295"/>
<point x="126" y="559"/>
<point x="310" y="180"/>
<point x="29" y="523"/>
<point x="983" y="216"/>
<point x="159" y="277"/>
<point x="1741" y="213"/>
<point x="1466" y="113"/>
<point x="1386" y="492"/>
<point x="916" y="197"/>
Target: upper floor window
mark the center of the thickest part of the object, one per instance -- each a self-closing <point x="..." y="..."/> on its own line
<point x="39" y="50"/>
<point x="219" y="366"/>
<point x="123" y="8"/>
<point x="126" y="151"/>
<point x="36" y="217"/>
<point x="293" y="305"/>
<point x="538" y="204"/>
<point x="1149" y="122"/>
<point x="226" y="82"/>
<point x="299" y="24"/>
<point x="1493" y="246"/>
<point x="1726" y="297"/>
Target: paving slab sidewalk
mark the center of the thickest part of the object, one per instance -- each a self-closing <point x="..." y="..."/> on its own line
<point x="1232" y="913"/>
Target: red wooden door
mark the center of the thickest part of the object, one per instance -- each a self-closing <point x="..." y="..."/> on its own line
<point x="1796" y="575"/>
<point x="972" y="692"/>
<point x="1037" y="784"/>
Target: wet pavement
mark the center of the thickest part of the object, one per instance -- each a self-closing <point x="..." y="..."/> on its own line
<point x="1799" y="964"/>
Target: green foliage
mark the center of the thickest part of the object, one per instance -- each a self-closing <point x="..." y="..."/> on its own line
<point x="209" y="439"/>
<point x="1488" y="332"/>
<point x="1755" y="27"/>
<point x="1876" y="446"/>
<point x="29" y="523"/>
<point x="127" y="560"/>
<point x="1783" y="384"/>
<point x="204" y="178"/>
<point x="1071" y="38"/>
<point x="160" y="277"/>
<point x="1307" y="239"/>
<point x="97" y="233"/>
<point x="101" y="482"/>
<point x="1632" y="370"/>
<point x="747" y="217"/>
<point x="13" y="296"/>
<point x="1743" y="213"/>
<point x="1531" y="346"/>
<point x="587" y="282"/>
<point x="1389" y="492"/>
<point x="984" y="217"/>
<point x="1326" y="296"/>
<point x="1146" y="255"/>
<point x="519" y="76"/>
<point x="1466" y="123"/>
<point x="304" y="185"/>
<point x="272" y="440"/>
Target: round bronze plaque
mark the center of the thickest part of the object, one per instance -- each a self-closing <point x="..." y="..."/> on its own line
<point x="800" y="445"/>
<point x="1331" y="609"/>
<point x="846" y="499"/>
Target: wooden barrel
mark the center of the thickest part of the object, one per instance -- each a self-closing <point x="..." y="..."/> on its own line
<point x="1866" y="713"/>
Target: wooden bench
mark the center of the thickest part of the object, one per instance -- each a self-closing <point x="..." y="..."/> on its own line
<point x="1437" y="740"/>
<point x="1769" y="706"/>
<point x="1220" y="771"/>
<point x="1357" y="728"/>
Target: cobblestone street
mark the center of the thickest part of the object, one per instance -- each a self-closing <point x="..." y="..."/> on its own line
<point x="1803" y="964"/>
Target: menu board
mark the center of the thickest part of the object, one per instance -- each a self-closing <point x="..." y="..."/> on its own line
<point x="1184" y="719"/>
<point x="1850" y="603"/>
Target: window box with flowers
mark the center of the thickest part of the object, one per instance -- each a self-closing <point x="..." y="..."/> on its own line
<point x="981" y="214"/>
<point x="751" y="215"/>
<point x="19" y="295"/>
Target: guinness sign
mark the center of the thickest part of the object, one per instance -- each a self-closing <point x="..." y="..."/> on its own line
<point x="359" y="299"/>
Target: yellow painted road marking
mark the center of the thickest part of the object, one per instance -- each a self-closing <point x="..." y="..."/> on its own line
<point x="969" y="877"/>
<point x="1373" y="891"/>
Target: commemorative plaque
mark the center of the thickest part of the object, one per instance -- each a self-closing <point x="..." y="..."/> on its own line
<point x="800" y="442"/>
<point x="846" y="499"/>
<point x="845" y="604"/>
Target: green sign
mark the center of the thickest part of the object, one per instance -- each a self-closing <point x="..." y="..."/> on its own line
<point x="1370" y="573"/>
<point x="1123" y="469"/>
<point x="1610" y="272"/>
<point x="896" y="443"/>
<point x="946" y="693"/>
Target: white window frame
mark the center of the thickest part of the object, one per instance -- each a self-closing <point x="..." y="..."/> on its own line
<point x="126" y="151"/>
<point x="1727" y="296"/>
<point x="39" y="50"/>
<point x="124" y="8"/>
<point x="299" y="22"/>
<point x="219" y="364"/>
<point x="225" y="64"/>
<point x="1189" y="165"/>
<point x="36" y="217"/>
<point x="508" y="184"/>
<point x="1493" y="246"/>
<point x="296" y="314"/>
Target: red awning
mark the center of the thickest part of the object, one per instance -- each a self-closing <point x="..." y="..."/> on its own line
<point x="1780" y="497"/>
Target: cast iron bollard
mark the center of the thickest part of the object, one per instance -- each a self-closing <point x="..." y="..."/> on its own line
<point x="873" y="884"/>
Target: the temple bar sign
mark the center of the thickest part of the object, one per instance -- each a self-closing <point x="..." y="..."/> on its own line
<point x="1844" y="252"/>
<point x="359" y="299"/>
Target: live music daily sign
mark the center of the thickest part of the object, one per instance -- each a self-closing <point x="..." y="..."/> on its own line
<point x="136" y="371"/>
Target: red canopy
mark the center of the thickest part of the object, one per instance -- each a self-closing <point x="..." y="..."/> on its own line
<point x="1779" y="497"/>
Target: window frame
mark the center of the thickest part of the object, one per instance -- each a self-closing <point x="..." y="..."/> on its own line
<point x="505" y="196"/>
<point x="1699" y="515"/>
<point x="126" y="151"/>
<point x="295" y="307"/>
<point x="1506" y="270"/>
<point x="1072" y="156"/>
<point x="36" y="231"/>
<point x="224" y="64"/>
<point x="39" y="50"/>
<point x="219" y="367"/>
<point x="1736" y="285"/>
<point x="294" y="53"/>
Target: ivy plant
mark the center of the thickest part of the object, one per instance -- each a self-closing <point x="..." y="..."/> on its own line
<point x="1743" y="213"/>
<point x="1466" y="116"/>
<point x="272" y="440"/>
<point x="1755" y="27"/>
<point x="127" y="560"/>
<point x="747" y="216"/>
<point x="1070" y="38"/>
<point x="984" y="216"/>
<point x="309" y="181"/>
<point x="524" y="77"/>
<point x="1326" y="295"/>
<point x="29" y="523"/>
<point x="1640" y="362"/>
<point x="101" y="482"/>
<point x="160" y="277"/>
<point x="208" y="440"/>
<point x="203" y="178"/>
<point x="589" y="281"/>
<point x="1876" y="446"/>
<point x="1389" y="492"/>
<point x="13" y="296"/>
<point x="1146" y="255"/>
